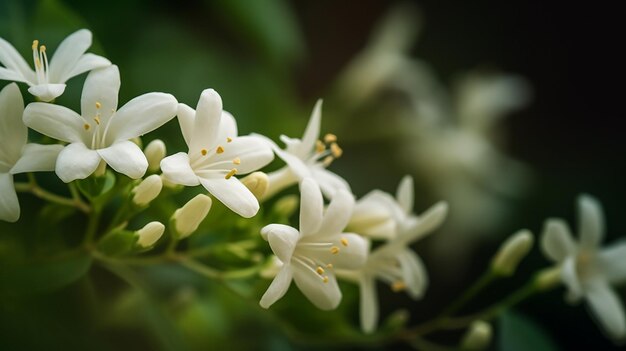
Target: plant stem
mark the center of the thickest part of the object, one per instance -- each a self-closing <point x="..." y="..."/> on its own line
<point x="34" y="188"/>
<point x="485" y="279"/>
<point x="92" y="227"/>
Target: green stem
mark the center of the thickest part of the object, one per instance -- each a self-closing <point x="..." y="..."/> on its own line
<point x="33" y="188"/>
<point x="482" y="282"/>
<point x="212" y="273"/>
<point x="92" y="227"/>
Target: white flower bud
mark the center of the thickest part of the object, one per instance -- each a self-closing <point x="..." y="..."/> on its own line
<point x="155" y="151"/>
<point x="511" y="252"/>
<point x="478" y="336"/>
<point x="257" y="183"/>
<point x="548" y="278"/>
<point x="188" y="218"/>
<point x="150" y="234"/>
<point x="147" y="190"/>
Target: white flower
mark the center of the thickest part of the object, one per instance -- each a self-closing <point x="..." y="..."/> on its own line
<point x="310" y="255"/>
<point x="48" y="81"/>
<point x="16" y="156"/>
<point x="308" y="157"/>
<point x="379" y="215"/>
<point x="586" y="270"/>
<point x="216" y="154"/>
<point x="101" y="132"/>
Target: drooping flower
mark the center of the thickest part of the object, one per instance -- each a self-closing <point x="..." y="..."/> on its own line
<point x="47" y="81"/>
<point x="310" y="254"/>
<point x="308" y="157"/>
<point x="101" y="133"/>
<point x="216" y="154"/>
<point x="16" y="156"/>
<point x="587" y="270"/>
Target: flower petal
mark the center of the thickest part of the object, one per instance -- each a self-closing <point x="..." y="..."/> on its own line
<point x="14" y="62"/>
<point x="329" y="182"/>
<point x="176" y="169"/>
<point x="372" y="216"/>
<point x="556" y="241"/>
<point x="125" y="157"/>
<point x="337" y="214"/>
<point x="613" y="262"/>
<point x="590" y="221"/>
<point x="228" y="125"/>
<point x="251" y="153"/>
<point x="13" y="132"/>
<point x="311" y="133"/>
<point x="67" y="55"/>
<point x="282" y="239"/>
<point x="9" y="206"/>
<point x="352" y="255"/>
<point x="404" y="194"/>
<point x="413" y="273"/>
<point x="37" y="158"/>
<point x="56" y="121"/>
<point x="277" y="288"/>
<point x="76" y="161"/>
<point x="425" y="223"/>
<point x="569" y="276"/>
<point x="325" y="296"/>
<point x="47" y="92"/>
<point x="141" y="115"/>
<point x="99" y="97"/>
<point x="311" y="207"/>
<point x="607" y="308"/>
<point x="186" y="119"/>
<point x="232" y="193"/>
<point x="368" y="304"/>
<point x="207" y="121"/>
<point x="87" y="62"/>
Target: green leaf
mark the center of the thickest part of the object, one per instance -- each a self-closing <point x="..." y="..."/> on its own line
<point x="43" y="275"/>
<point x="520" y="333"/>
<point x="95" y="187"/>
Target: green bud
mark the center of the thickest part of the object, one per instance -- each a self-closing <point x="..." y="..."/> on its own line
<point x="511" y="253"/>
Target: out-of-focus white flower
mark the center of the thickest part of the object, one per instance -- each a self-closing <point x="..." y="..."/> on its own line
<point x="478" y="336"/>
<point x="47" y="82"/>
<point x="155" y="152"/>
<point x="216" y="154"/>
<point x="310" y="255"/>
<point x="16" y="156"/>
<point x="147" y="190"/>
<point x="308" y="157"/>
<point x="587" y="270"/>
<point x="150" y="234"/>
<point x="101" y="133"/>
<point x="187" y="219"/>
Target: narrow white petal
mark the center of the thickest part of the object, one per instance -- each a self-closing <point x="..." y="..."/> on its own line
<point x="352" y="254"/>
<point x="282" y="241"/>
<point x="9" y="206"/>
<point x="176" y="169"/>
<point x="297" y="166"/>
<point x="613" y="262"/>
<point x="125" y="157"/>
<point x="14" y="76"/>
<point x="67" y="55"/>
<point x="556" y="241"/>
<point x="311" y="207"/>
<point x="404" y="194"/>
<point x="279" y="229"/>
<point x="312" y="132"/>
<point x="87" y="62"/>
<point x="99" y="97"/>
<point x="76" y="161"/>
<point x="56" y="121"/>
<point x="413" y="273"/>
<point x="37" y="158"/>
<point x="246" y="154"/>
<point x="425" y="224"/>
<point x="207" y="121"/>
<point x="329" y="182"/>
<point x="569" y="275"/>
<point x="232" y="193"/>
<point x="13" y="61"/>
<point x="228" y="125"/>
<point x="325" y="296"/>
<point x="590" y="221"/>
<point x="607" y="308"/>
<point x="142" y="115"/>
<point x="368" y="304"/>
<point x="372" y="216"/>
<point x="278" y="288"/>
<point x="186" y="120"/>
<point x="47" y="92"/>
<point x="13" y="132"/>
<point x="338" y="213"/>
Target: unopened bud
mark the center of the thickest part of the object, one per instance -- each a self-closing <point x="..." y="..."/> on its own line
<point x="548" y="278"/>
<point x="286" y="205"/>
<point x="137" y="141"/>
<point x="511" y="252"/>
<point x="187" y="218"/>
<point x="257" y="183"/>
<point x="478" y="336"/>
<point x="155" y="151"/>
<point x="150" y="234"/>
<point x="147" y="190"/>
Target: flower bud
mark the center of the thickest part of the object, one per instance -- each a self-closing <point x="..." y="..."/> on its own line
<point x="511" y="252"/>
<point x="187" y="218"/>
<point x="286" y="205"/>
<point x="150" y="234"/>
<point x="147" y="190"/>
<point x="548" y="278"/>
<point x="257" y="183"/>
<point x="155" y="151"/>
<point x="478" y="336"/>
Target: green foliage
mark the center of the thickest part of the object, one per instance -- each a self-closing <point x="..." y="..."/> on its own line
<point x="520" y="333"/>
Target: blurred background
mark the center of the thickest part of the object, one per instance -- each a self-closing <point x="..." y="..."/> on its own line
<point x="397" y="79"/>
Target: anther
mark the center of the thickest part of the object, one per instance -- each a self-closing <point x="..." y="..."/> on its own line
<point x="237" y="161"/>
<point x="330" y="138"/>
<point x="327" y="161"/>
<point x="35" y="44"/>
<point x="97" y="119"/>
<point x="329" y="265"/>
<point x="320" y="270"/>
<point x="98" y="105"/>
<point x="231" y="173"/>
<point x="229" y="139"/>
<point x="334" y="250"/>
<point x="325" y="279"/>
<point x="86" y="126"/>
<point x="398" y="286"/>
<point x="344" y="241"/>
<point x="203" y="152"/>
<point x="319" y="147"/>
<point x="42" y="48"/>
<point x="219" y="149"/>
<point x="336" y="150"/>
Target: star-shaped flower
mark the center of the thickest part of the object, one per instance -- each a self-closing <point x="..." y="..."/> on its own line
<point x="587" y="270"/>
<point x="101" y="133"/>
<point x="16" y="156"/>
<point x="310" y="255"/>
<point x="216" y="154"/>
<point x="47" y="81"/>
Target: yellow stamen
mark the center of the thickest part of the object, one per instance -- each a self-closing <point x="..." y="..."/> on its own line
<point x="336" y="150"/>
<point x="42" y="48"/>
<point x="228" y="140"/>
<point x="398" y="286"/>
<point x="219" y="150"/>
<point x="330" y="138"/>
<point x="37" y="63"/>
<point x="329" y="266"/>
<point x="328" y="160"/>
<point x="237" y="161"/>
<point x="35" y="44"/>
<point x="334" y="250"/>
<point x="98" y="105"/>
<point x="320" y="270"/>
<point x="319" y="147"/>
<point x="203" y="152"/>
<point x="344" y="241"/>
<point x="97" y="119"/>
<point x="325" y="279"/>
<point x="86" y="126"/>
<point x="231" y="173"/>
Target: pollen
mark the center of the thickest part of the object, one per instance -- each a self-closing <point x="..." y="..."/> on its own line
<point x="334" y="250"/>
<point x="329" y="265"/>
<point x="325" y="279"/>
<point x="229" y="139"/>
<point x="237" y="161"/>
<point x="203" y="152"/>
<point x="86" y="126"/>
<point x="97" y="119"/>
<point x="328" y="160"/>
<point x="319" y="146"/>
<point x="330" y="138"/>
<point x="35" y="44"/>
<point x="231" y="173"/>
<point x="336" y="150"/>
<point x="219" y="149"/>
<point x="320" y="270"/>
<point x="42" y="48"/>
<point x="344" y="241"/>
<point x="398" y="286"/>
<point x="98" y="105"/>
